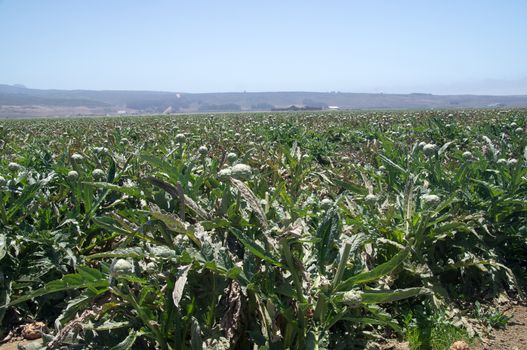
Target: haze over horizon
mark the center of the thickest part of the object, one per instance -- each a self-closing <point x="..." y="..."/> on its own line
<point x="449" y="47"/>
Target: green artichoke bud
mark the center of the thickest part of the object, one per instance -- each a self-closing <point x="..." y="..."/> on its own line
<point x="203" y="150"/>
<point x="180" y="138"/>
<point x="76" y="157"/>
<point x="353" y="298"/>
<point x="98" y="174"/>
<point x="430" y="200"/>
<point x="232" y="157"/>
<point x="121" y="267"/>
<point x="73" y="175"/>
<point x="326" y="203"/>
<point x="241" y="171"/>
<point x="13" y="166"/>
<point x="429" y="149"/>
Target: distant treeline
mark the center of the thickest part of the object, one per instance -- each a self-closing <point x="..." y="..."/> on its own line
<point x="228" y="107"/>
<point x="296" y="108"/>
<point x="157" y="106"/>
<point x="21" y="101"/>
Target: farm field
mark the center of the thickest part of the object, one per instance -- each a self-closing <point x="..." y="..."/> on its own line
<point x="302" y="230"/>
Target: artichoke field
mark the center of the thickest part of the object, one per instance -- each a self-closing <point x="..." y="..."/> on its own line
<point x="259" y="231"/>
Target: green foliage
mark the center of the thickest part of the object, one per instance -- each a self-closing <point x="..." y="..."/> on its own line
<point x="126" y="233"/>
<point x="432" y="330"/>
<point x="492" y="318"/>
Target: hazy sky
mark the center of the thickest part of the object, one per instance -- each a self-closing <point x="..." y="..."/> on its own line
<point x="456" y="46"/>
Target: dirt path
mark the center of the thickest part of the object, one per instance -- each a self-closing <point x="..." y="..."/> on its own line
<point x="514" y="337"/>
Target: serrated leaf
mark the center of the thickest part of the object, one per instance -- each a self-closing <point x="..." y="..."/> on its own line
<point x="255" y="248"/>
<point x="111" y="224"/>
<point x="5" y="295"/>
<point x="351" y="246"/>
<point x="328" y="233"/>
<point x="173" y="191"/>
<point x="351" y="187"/>
<point x="28" y="194"/>
<point x="161" y="164"/>
<point x="379" y="297"/>
<point x="371" y="320"/>
<point x="128" y="342"/>
<point x="86" y="278"/>
<point x="111" y="171"/>
<point x="3" y="246"/>
<point x="251" y="200"/>
<point x="172" y="222"/>
<point x="130" y="252"/>
<point x="196" y="343"/>
<point x="131" y="191"/>
<point x="179" y="286"/>
<point x="377" y="272"/>
<point x="392" y="164"/>
<point x="111" y="325"/>
<point x="444" y="147"/>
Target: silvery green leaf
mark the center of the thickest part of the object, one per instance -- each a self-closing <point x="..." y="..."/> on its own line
<point x="196" y="343"/>
<point x="177" y="293"/>
<point x="3" y="246"/>
<point x="128" y="342"/>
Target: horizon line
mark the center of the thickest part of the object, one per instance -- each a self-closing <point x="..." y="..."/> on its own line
<point x="22" y="86"/>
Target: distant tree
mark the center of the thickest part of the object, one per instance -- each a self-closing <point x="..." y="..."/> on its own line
<point x="262" y="107"/>
<point x="228" y="107"/>
<point x="311" y="103"/>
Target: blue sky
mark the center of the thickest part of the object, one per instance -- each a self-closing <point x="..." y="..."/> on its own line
<point x="447" y="46"/>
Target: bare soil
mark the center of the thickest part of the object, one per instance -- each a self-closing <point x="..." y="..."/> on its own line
<point x="19" y="344"/>
<point x="514" y="337"/>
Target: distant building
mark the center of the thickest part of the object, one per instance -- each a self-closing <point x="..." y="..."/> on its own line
<point x="121" y="112"/>
<point x="333" y="107"/>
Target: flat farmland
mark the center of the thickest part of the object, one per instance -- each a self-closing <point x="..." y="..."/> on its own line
<point x="296" y="230"/>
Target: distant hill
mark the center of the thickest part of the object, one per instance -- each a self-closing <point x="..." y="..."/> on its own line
<point x="19" y="101"/>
